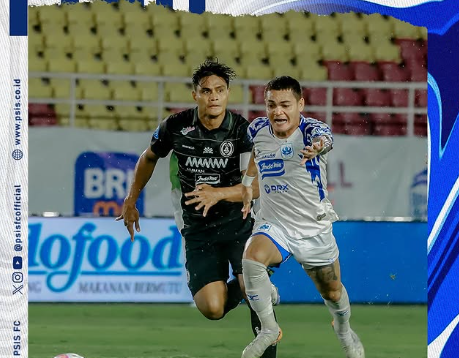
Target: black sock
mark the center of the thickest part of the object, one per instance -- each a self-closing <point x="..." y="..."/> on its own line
<point x="234" y="295"/>
<point x="271" y="351"/>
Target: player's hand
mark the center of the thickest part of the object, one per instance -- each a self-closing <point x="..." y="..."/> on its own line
<point x="130" y="215"/>
<point x="205" y="196"/>
<point x="311" y="151"/>
<point x="247" y="196"/>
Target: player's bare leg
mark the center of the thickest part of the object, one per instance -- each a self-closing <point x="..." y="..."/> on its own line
<point x="211" y="300"/>
<point x="260" y="253"/>
<point x="327" y="280"/>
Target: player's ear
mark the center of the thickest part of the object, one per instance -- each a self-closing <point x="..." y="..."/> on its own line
<point x="301" y="104"/>
<point x="193" y="94"/>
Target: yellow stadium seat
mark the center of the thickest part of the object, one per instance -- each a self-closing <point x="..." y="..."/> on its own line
<point x="59" y="40"/>
<point x="307" y="49"/>
<point x="115" y="43"/>
<point x="51" y="27"/>
<point x="61" y="65"/>
<point x="33" y="16"/>
<point x="76" y="30"/>
<point x="113" y="54"/>
<point x="147" y="68"/>
<point x="297" y="21"/>
<point x="79" y="14"/>
<point x="38" y="89"/>
<point x="353" y="38"/>
<point x="176" y="70"/>
<point x="236" y="95"/>
<point x="314" y="73"/>
<point x="148" y="91"/>
<point x="378" y="24"/>
<point x="54" y="14"/>
<point x="109" y="17"/>
<point x="108" y="31"/>
<point x="300" y="36"/>
<point x="326" y="24"/>
<point x="137" y="17"/>
<point x="53" y="54"/>
<point x="247" y="23"/>
<point x="90" y="66"/>
<point x="173" y="44"/>
<point x="287" y="70"/>
<point x="163" y="17"/>
<point x="334" y="52"/>
<point x="360" y="52"/>
<point x="191" y="23"/>
<point x="103" y="124"/>
<point x="219" y="34"/>
<point x="258" y="72"/>
<point x="165" y="57"/>
<point x="63" y="112"/>
<point x="218" y="21"/>
<point x="273" y="35"/>
<point x="273" y="21"/>
<point x="279" y="60"/>
<point x="61" y="88"/>
<point x="128" y="112"/>
<point x="380" y="39"/>
<point x="132" y="31"/>
<point x="387" y="53"/>
<point x="98" y="111"/>
<point x="89" y="42"/>
<point x="252" y="49"/>
<point x="82" y="54"/>
<point x="95" y="92"/>
<point x="136" y="125"/>
<point x="37" y="64"/>
<point x="124" y="91"/>
<point x="351" y="24"/>
<point x="227" y="46"/>
<point x="422" y="33"/>
<point x="280" y="48"/>
<point x="193" y="59"/>
<point x="178" y="92"/>
<point x="198" y="44"/>
<point x="326" y="38"/>
<point x="36" y="42"/>
<point x="126" y="6"/>
<point x="404" y="30"/>
<point x="119" y="68"/>
<point x="247" y="35"/>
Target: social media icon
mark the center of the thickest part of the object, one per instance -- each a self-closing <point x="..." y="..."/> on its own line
<point x="17" y="262"/>
<point x="18" y="277"/>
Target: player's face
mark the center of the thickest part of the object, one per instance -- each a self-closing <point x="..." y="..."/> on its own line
<point x="283" y="110"/>
<point x="211" y="96"/>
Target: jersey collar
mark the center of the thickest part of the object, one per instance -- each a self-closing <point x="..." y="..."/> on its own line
<point x="226" y="123"/>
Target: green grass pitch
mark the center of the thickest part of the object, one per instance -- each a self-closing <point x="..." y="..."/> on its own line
<point x="180" y="331"/>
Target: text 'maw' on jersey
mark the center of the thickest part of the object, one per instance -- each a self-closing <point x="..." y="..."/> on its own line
<point x="292" y="195"/>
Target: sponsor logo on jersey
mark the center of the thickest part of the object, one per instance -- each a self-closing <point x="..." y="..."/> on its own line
<point x="271" y="168"/>
<point x="226" y="148"/>
<point x="265" y="156"/>
<point x="207" y="178"/>
<point x="208" y="150"/>
<point x="156" y="133"/>
<point x="321" y="216"/>
<point x="287" y="151"/>
<point x="279" y="188"/>
<point x="265" y="227"/>
<point x="187" y="130"/>
<point x="216" y="163"/>
<point x="187" y="146"/>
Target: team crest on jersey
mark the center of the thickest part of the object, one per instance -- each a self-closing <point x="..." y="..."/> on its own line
<point x="226" y="148"/>
<point x="187" y="130"/>
<point x="287" y="151"/>
<point x="265" y="227"/>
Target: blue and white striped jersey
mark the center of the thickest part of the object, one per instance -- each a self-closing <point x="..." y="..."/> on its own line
<point x="292" y="196"/>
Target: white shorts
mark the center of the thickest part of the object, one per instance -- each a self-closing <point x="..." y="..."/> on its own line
<point x="319" y="250"/>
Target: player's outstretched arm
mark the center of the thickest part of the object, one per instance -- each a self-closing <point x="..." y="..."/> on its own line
<point x="142" y="174"/>
<point x="320" y="145"/>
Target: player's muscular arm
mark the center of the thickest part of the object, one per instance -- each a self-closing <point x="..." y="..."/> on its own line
<point x="142" y="174"/>
<point x="249" y="186"/>
<point x="320" y="145"/>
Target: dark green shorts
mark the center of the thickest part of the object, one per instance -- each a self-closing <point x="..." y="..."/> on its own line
<point x="208" y="254"/>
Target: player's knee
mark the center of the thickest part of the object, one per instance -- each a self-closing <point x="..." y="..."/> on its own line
<point x="213" y="311"/>
<point x="331" y="295"/>
<point x="255" y="254"/>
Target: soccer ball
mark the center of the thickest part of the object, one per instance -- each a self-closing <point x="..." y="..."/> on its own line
<point x="68" y="355"/>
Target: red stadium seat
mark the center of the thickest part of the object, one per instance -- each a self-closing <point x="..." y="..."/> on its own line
<point x="420" y="97"/>
<point x="399" y="97"/>
<point x="420" y="125"/>
<point x="337" y="71"/>
<point x="410" y="49"/>
<point x="355" y="124"/>
<point x="346" y="97"/>
<point x="393" y="73"/>
<point x="389" y="130"/>
<point x="338" y="128"/>
<point x="258" y="94"/>
<point x="376" y="97"/>
<point x="321" y="116"/>
<point x="256" y="114"/>
<point x="418" y="72"/>
<point x="41" y="115"/>
<point x="365" y="72"/>
<point x="385" y="124"/>
<point x="317" y="96"/>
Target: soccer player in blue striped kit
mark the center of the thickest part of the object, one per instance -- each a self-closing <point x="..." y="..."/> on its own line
<point x="295" y="216"/>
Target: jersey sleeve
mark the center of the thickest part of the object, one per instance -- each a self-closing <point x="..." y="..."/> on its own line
<point x="314" y="129"/>
<point x="245" y="140"/>
<point x="161" y="143"/>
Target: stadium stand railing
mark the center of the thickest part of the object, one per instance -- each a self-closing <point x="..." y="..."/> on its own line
<point x="349" y="107"/>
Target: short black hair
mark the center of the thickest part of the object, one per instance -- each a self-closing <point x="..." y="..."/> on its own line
<point x="285" y="83"/>
<point x="212" y="67"/>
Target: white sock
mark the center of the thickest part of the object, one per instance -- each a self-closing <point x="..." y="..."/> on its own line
<point x="341" y="312"/>
<point x="258" y="290"/>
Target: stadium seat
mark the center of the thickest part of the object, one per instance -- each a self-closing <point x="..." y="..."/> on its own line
<point x="256" y="114"/>
<point x="237" y="95"/>
<point x="61" y="88"/>
<point x="351" y="24"/>
<point x="148" y="91"/>
<point x="365" y="71"/>
<point x="346" y="97"/>
<point x="83" y="54"/>
<point x="37" y="64"/>
<point x="258" y="72"/>
<point x="338" y="71"/>
<point x="388" y="53"/>
<point x="215" y="34"/>
<point x="375" y="97"/>
<point x="147" y="68"/>
<point x="391" y="72"/>
<point x="110" y="18"/>
<point x="198" y="44"/>
<point x="119" y="68"/>
<point x="326" y="24"/>
<point x="420" y="125"/>
<point x="298" y="22"/>
<point x="321" y="116"/>
<point x="410" y="50"/>
<point x="136" y="17"/>
<point x="307" y="50"/>
<point x="404" y="30"/>
<point x="399" y="97"/>
<point x="90" y="66"/>
<point x="418" y="73"/>
<point x="287" y="70"/>
<point x="252" y="49"/>
<point x="246" y="24"/>
<point x="176" y="69"/>
<point x="358" y="128"/>
<point x="53" y="14"/>
<point x="258" y="94"/>
<point x="278" y="61"/>
<point x="118" y="43"/>
<point x="79" y="14"/>
<point x="94" y="89"/>
<point x="36" y="43"/>
<point x="171" y="45"/>
<point x="283" y="48"/>
<point x="334" y="52"/>
<point x="163" y="17"/>
<point x="317" y="96"/>
<point x="89" y="42"/>
<point x="133" y="125"/>
<point x="360" y="52"/>
<point x="215" y="22"/>
<point x="178" y="92"/>
<point x="389" y="130"/>
<point x="55" y="54"/>
<point x="225" y="48"/>
<point x="420" y="98"/>
<point x="313" y="72"/>
<point x="142" y="43"/>
<point x="62" y="65"/>
<point x="124" y="91"/>
<point x="59" y="40"/>
<point x="138" y="30"/>
<point x="191" y="23"/>
<point x="376" y="24"/>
